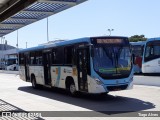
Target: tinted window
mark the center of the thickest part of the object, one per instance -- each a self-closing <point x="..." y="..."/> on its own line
<point x="32" y="58"/>
<point x="68" y="53"/>
<point x="58" y="56"/>
<point x="38" y="58"/>
<point x="152" y="50"/>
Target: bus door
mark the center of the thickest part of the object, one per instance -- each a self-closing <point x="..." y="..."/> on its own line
<point x="26" y="65"/>
<point x="82" y="64"/>
<point x="47" y="67"/>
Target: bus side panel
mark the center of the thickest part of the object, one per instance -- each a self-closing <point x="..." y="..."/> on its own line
<point x="68" y="72"/>
<point x="38" y="72"/>
<point x="22" y="73"/>
<point x="152" y="66"/>
<point x="59" y="75"/>
<point x="54" y="75"/>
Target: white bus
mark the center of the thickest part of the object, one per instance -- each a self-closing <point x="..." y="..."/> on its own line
<point x="11" y="64"/>
<point x="151" y="57"/>
<point x="137" y="51"/>
<point x="93" y="65"/>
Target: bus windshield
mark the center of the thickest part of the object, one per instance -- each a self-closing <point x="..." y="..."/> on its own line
<point x="10" y="61"/>
<point x="137" y="50"/>
<point x="152" y="51"/>
<point x="112" y="61"/>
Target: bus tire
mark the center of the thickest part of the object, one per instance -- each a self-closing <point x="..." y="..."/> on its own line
<point x="70" y="85"/>
<point x="33" y="80"/>
<point x="72" y="89"/>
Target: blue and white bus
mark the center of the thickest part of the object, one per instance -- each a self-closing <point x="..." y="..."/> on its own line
<point x="137" y="51"/>
<point x="151" y="57"/>
<point x="11" y="64"/>
<point x="92" y="64"/>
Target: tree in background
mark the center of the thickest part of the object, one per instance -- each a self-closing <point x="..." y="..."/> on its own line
<point x="136" y="38"/>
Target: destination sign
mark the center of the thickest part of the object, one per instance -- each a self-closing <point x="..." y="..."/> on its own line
<point x="109" y="41"/>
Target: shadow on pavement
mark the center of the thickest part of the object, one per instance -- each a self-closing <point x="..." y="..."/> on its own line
<point x="107" y="104"/>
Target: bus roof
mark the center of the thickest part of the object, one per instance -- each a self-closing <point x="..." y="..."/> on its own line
<point x="56" y="44"/>
<point x="153" y="39"/>
<point x="138" y="43"/>
<point x="64" y="42"/>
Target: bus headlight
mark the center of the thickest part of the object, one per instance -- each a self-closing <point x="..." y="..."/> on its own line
<point x="98" y="81"/>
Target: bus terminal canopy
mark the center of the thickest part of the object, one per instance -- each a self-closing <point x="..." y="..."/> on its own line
<point x="15" y="14"/>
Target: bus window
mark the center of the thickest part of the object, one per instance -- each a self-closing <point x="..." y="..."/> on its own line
<point x="32" y="58"/>
<point x="147" y="51"/>
<point x="39" y="58"/>
<point x="157" y="50"/>
<point x="68" y="52"/>
<point x="58" y="56"/>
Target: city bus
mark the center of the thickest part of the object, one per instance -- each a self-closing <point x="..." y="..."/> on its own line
<point x="92" y="65"/>
<point x="11" y="64"/>
<point x="151" y="57"/>
<point x="137" y="51"/>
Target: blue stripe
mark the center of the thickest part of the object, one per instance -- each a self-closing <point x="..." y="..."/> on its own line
<point x="58" y="77"/>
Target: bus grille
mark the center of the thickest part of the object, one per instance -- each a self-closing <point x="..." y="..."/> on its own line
<point x="116" y="88"/>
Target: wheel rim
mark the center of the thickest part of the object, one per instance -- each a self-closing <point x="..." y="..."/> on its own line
<point x="72" y="88"/>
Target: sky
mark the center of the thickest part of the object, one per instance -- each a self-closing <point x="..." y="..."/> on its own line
<point x="93" y="18"/>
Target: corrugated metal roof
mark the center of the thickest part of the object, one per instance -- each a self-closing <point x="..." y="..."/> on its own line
<point x="35" y="12"/>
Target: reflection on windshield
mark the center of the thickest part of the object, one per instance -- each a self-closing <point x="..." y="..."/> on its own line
<point x="112" y="59"/>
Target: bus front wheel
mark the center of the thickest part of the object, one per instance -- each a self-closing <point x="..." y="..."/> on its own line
<point x="72" y="89"/>
<point x="34" y="84"/>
